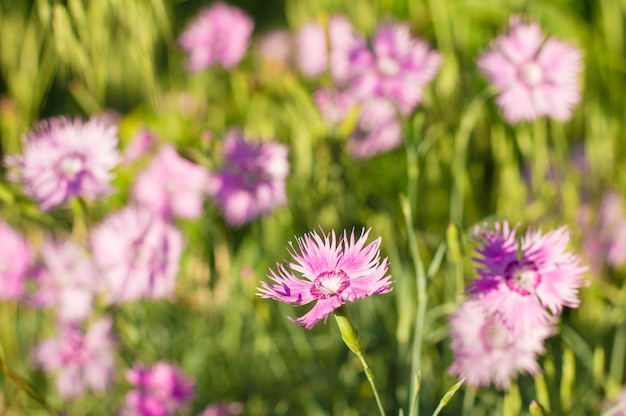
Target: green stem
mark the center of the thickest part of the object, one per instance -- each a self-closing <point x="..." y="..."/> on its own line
<point x="351" y="339"/>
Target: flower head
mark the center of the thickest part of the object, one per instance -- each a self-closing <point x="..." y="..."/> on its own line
<point x="522" y="279"/>
<point x="138" y="254"/>
<point x="311" y="50"/>
<point x="378" y="129"/>
<point x="65" y="158"/>
<point x="160" y="390"/>
<point x="333" y="104"/>
<point x="219" y="35"/>
<point x="83" y="361"/>
<point x="487" y="350"/>
<point x="141" y="143"/>
<point x="252" y="182"/>
<point x="536" y="76"/>
<point x="172" y="186"/>
<point x="16" y="257"/>
<point x="333" y="274"/>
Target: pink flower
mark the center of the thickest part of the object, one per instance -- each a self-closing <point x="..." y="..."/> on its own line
<point x="141" y="143"/>
<point x="536" y="76"/>
<point x="487" y="350"/>
<point x="16" y="257"/>
<point x="521" y="279"/>
<point x="333" y="104"/>
<point x="346" y="49"/>
<point x="378" y="130"/>
<point x="68" y="280"/>
<point x="64" y="158"/>
<point x="82" y="361"/>
<point x="276" y="46"/>
<point x="138" y="254"/>
<point x="311" y="50"/>
<point x="334" y="274"/>
<point x="219" y="35"/>
<point x="160" y="390"/>
<point x="397" y="68"/>
<point x="222" y="409"/>
<point x="252" y="182"/>
<point x="172" y="186"/>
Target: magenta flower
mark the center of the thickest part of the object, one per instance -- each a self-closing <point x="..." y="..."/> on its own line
<point x="521" y="280"/>
<point x="16" y="258"/>
<point x="536" y="76"/>
<point x="333" y="274"/>
<point x="172" y="186"/>
<point x="487" y="350"/>
<point x="141" y="143"/>
<point x="311" y="50"/>
<point x="252" y="182"/>
<point x="160" y="390"/>
<point x="219" y="35"/>
<point x="138" y="254"/>
<point x="82" y="361"/>
<point x="222" y="409"/>
<point x="64" y="158"/>
<point x="378" y="130"/>
<point x="68" y="280"/>
<point x="397" y="68"/>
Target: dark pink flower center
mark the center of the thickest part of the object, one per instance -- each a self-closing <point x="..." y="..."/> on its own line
<point x="522" y="277"/>
<point x="328" y="284"/>
<point x="495" y="335"/>
<point x="531" y="74"/>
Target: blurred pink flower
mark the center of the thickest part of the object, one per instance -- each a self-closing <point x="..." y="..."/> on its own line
<point x="333" y="104"/>
<point x="16" y="258"/>
<point x="536" y="76"/>
<point x="311" y="50"/>
<point x="65" y="158"/>
<point x="222" y="409"/>
<point x="334" y="274"/>
<point x="378" y="130"/>
<point x="521" y="279"/>
<point x="219" y="35"/>
<point x="397" y="67"/>
<point x="141" y="143"/>
<point x="276" y="46"/>
<point x="68" y="280"/>
<point x="347" y="48"/>
<point x="160" y="390"/>
<point x="252" y="182"/>
<point x="138" y="254"/>
<point x="487" y="350"/>
<point x="82" y="361"/>
<point x="172" y="186"/>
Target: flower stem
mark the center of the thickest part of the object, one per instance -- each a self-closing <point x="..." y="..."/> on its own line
<point x="351" y="339"/>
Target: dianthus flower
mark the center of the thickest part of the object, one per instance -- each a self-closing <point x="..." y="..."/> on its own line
<point x="333" y="274"/>
<point x="536" y="76"/>
<point x="141" y="143"/>
<point x="65" y="158"/>
<point x="311" y="50"/>
<point x="16" y="257"/>
<point x="160" y="390"/>
<point x="333" y="104"/>
<point x="172" y="186"/>
<point x="520" y="280"/>
<point x="487" y="350"/>
<point x="378" y="129"/>
<point x="252" y="182"/>
<point x="68" y="279"/>
<point x="137" y="253"/>
<point x="219" y="35"/>
<point x="82" y="361"/>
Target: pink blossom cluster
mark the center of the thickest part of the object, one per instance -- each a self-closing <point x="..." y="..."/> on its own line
<point x="522" y="288"/>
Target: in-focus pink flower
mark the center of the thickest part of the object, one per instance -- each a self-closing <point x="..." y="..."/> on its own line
<point x="65" y="158"/>
<point x="141" y="143"/>
<point x="522" y="279"/>
<point x="222" y="409"/>
<point x="252" y="182"/>
<point x="172" y="186"/>
<point x="397" y="67"/>
<point x="82" y="361"/>
<point x="377" y="131"/>
<point x="138" y="254"/>
<point x="68" y="280"/>
<point x="160" y="390"/>
<point x="16" y="258"/>
<point x="311" y="50"/>
<point x="536" y="76"/>
<point x="487" y="350"/>
<point x="333" y="274"/>
<point x="219" y="35"/>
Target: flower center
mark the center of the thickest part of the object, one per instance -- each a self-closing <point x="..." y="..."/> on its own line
<point x="494" y="334"/>
<point x="70" y="166"/>
<point x="329" y="284"/>
<point x="523" y="277"/>
<point x="388" y="67"/>
<point x="531" y="74"/>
